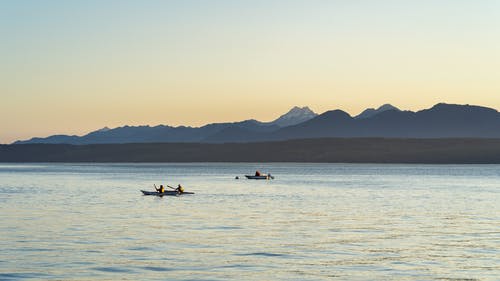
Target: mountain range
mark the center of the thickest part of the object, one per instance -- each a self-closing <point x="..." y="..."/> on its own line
<point x="440" y="121"/>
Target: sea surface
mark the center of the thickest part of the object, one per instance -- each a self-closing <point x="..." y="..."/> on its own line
<point x="312" y="222"/>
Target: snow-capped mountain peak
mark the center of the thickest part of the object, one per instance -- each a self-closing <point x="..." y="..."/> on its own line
<point x="295" y="116"/>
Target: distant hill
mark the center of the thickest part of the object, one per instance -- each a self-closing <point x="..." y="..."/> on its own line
<point x="217" y="132"/>
<point x="161" y="133"/>
<point x="440" y="121"/>
<point x="370" y="112"/>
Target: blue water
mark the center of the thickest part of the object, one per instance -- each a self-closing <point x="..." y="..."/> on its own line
<point x="313" y="222"/>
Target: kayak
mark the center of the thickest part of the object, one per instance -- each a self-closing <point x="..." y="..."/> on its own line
<point x="165" y="193"/>
<point x="259" y="177"/>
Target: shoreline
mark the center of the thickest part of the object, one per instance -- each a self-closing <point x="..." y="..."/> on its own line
<point x="321" y="150"/>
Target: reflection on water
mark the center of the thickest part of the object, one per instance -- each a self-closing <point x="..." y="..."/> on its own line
<point x="313" y="222"/>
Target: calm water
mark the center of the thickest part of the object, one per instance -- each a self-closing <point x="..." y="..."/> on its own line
<point x="313" y="222"/>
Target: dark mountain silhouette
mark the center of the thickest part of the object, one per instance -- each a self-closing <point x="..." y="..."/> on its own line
<point x="370" y="112"/>
<point x="161" y="133"/>
<point x="330" y="123"/>
<point x="440" y="121"/>
<point x="233" y="134"/>
<point x="446" y="120"/>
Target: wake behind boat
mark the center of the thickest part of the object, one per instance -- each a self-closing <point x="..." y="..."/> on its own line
<point x="165" y="193"/>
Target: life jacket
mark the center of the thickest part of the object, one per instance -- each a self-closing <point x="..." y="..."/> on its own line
<point x="180" y="188"/>
<point x="162" y="189"/>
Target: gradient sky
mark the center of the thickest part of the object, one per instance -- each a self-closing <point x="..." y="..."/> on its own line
<point x="71" y="67"/>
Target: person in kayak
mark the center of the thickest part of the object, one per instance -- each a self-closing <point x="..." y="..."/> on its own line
<point x="257" y="173"/>
<point x="161" y="189"/>
<point x="179" y="189"/>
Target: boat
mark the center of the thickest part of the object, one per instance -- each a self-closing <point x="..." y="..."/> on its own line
<point x="165" y="193"/>
<point x="265" y="177"/>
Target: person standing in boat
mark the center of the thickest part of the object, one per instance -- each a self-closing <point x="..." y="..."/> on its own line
<point x="161" y="189"/>
<point x="179" y="189"/>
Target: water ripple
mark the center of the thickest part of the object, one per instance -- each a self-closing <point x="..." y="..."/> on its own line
<point x="23" y="275"/>
<point x="156" y="268"/>
<point x="264" y="254"/>
<point x="113" y="269"/>
<point x="314" y="222"/>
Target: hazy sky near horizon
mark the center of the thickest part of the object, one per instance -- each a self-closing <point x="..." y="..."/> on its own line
<point x="71" y="67"/>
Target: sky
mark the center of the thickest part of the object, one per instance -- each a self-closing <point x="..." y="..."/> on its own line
<point x="72" y="67"/>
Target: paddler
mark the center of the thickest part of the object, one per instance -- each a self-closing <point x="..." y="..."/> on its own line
<point x="179" y="189"/>
<point x="161" y="189"/>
